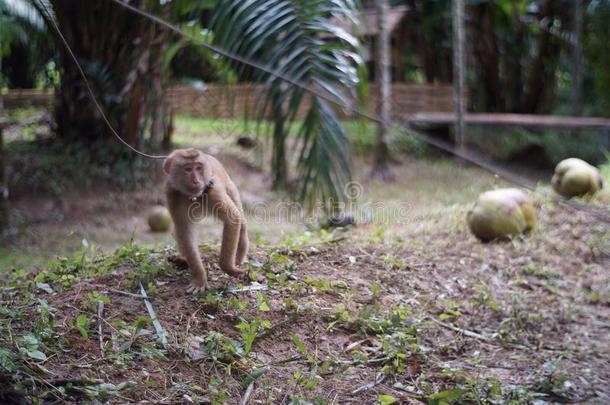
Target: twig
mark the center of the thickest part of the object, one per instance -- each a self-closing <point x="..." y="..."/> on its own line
<point x="252" y="287"/>
<point x="460" y="330"/>
<point x="100" y="313"/>
<point x="288" y="360"/>
<point x="125" y="293"/>
<point x="375" y="360"/>
<point x="153" y="316"/>
<point x="247" y="394"/>
<point x="188" y="323"/>
<point x="275" y="328"/>
<point x="378" y="380"/>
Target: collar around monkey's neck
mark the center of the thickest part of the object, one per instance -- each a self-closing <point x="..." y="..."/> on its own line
<point x="207" y="188"/>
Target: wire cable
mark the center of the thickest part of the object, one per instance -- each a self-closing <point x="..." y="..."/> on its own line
<point x="464" y="154"/>
<point x="467" y="155"/>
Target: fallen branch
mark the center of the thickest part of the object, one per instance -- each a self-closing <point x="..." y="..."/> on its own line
<point x="153" y="316"/>
<point x="100" y="333"/>
<point x="247" y="394"/>
<point x="288" y="360"/>
<point x="378" y="380"/>
<point x="460" y="330"/>
<point x="252" y="287"/>
<point x="125" y="293"/>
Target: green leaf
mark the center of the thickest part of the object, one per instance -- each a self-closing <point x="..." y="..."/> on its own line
<point x="45" y="287"/>
<point x="251" y="29"/>
<point x="445" y="397"/>
<point x="36" y="354"/>
<point x="82" y="324"/>
<point x="300" y="345"/>
<point x="386" y="399"/>
<point x="253" y="376"/>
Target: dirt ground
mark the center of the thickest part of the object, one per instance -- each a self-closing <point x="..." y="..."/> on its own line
<point x="405" y="308"/>
<point x="342" y="322"/>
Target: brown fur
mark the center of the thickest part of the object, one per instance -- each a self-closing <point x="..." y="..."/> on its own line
<point x="191" y="173"/>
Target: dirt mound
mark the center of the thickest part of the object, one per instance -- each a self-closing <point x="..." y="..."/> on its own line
<point x="433" y="318"/>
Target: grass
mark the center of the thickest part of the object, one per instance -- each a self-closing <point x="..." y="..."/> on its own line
<point x="449" y="320"/>
<point x="407" y="308"/>
<point x="203" y="132"/>
<point x="504" y="144"/>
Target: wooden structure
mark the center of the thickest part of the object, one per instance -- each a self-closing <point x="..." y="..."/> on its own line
<point x="234" y="101"/>
<point x="443" y="119"/>
<point x="511" y="120"/>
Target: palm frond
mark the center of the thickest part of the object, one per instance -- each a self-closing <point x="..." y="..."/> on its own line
<point x="297" y="38"/>
<point x="25" y="11"/>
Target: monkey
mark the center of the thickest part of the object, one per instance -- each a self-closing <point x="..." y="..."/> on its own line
<point x="198" y="180"/>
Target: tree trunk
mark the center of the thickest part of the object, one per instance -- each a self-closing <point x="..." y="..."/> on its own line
<point x="459" y="68"/>
<point x="111" y="44"/>
<point x="279" y="164"/>
<point x="577" y="75"/>
<point x="514" y="79"/>
<point x="381" y="168"/>
<point x="5" y="222"/>
<point x="159" y="114"/>
<point x="4" y="194"/>
<point x="487" y="56"/>
<point x="166" y="143"/>
<point x="536" y="84"/>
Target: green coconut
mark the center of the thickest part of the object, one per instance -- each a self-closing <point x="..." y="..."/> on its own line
<point x="500" y="214"/>
<point x="159" y="219"/>
<point x="574" y="177"/>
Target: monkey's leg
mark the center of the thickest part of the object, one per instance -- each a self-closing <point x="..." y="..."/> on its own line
<point x="243" y="244"/>
<point x="187" y="245"/>
<point x="232" y="218"/>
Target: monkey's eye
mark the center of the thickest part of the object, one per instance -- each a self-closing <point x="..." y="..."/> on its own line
<point x="188" y="169"/>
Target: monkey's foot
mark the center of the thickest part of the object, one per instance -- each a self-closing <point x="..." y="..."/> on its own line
<point x="236" y="272"/>
<point x="196" y="288"/>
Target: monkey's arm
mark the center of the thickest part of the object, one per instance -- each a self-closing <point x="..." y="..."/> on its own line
<point x="186" y="240"/>
<point x="187" y="245"/>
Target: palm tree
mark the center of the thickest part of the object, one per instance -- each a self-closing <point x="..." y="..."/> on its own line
<point x="297" y="38"/>
<point x="293" y="36"/>
<point x="18" y="21"/>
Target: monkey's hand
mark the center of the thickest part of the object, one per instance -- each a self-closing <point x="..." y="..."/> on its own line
<point x="196" y="287"/>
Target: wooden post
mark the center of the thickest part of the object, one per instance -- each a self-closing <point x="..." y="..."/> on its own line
<point x="459" y="74"/>
<point x="381" y="169"/>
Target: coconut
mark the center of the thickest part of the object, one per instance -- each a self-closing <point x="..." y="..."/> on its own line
<point x="574" y="177"/>
<point x="499" y="214"/>
<point x="159" y="219"/>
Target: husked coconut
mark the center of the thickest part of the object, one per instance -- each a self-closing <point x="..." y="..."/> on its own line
<point x="159" y="219"/>
<point x="499" y="214"/>
<point x="574" y="177"/>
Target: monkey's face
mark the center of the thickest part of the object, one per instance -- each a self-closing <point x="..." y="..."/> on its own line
<point x="187" y="171"/>
<point x="191" y="179"/>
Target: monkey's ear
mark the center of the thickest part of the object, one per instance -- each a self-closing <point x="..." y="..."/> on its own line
<point x="167" y="164"/>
